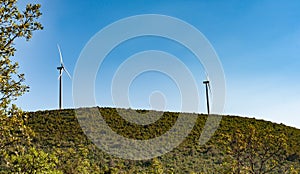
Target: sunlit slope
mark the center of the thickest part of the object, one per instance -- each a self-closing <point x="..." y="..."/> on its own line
<point x="59" y="129"/>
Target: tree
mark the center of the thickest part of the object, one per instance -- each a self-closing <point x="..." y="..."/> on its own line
<point x="14" y="134"/>
<point x="255" y="151"/>
<point x="14" y="24"/>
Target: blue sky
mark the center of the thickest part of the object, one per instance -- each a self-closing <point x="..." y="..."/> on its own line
<point x="258" y="43"/>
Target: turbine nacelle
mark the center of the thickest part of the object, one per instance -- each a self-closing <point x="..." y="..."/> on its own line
<point x="206" y="82"/>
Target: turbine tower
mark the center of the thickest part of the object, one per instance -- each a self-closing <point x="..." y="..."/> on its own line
<point x="61" y="69"/>
<point x="207" y="88"/>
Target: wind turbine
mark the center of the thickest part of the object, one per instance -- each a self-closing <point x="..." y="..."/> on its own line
<point x="207" y="87"/>
<point x="61" y="69"/>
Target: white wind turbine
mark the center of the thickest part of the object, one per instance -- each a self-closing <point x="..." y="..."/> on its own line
<point x="207" y="87"/>
<point x="61" y="69"/>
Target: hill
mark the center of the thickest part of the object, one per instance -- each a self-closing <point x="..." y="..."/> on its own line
<point x="58" y="131"/>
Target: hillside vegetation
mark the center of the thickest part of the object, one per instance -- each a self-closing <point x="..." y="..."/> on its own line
<point x="240" y="145"/>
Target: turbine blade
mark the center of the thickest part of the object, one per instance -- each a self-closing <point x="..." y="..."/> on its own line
<point x="209" y="89"/>
<point x="207" y="78"/>
<point x="60" y="74"/>
<point x="60" y="55"/>
<point x="67" y="72"/>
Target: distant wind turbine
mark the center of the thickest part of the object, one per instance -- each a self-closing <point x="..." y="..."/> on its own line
<point x="61" y="69"/>
<point x="207" y="87"/>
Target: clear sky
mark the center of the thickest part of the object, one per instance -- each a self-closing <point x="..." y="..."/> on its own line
<point x="258" y="43"/>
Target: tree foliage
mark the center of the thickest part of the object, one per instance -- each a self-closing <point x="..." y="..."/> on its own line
<point x="255" y="151"/>
<point x="34" y="161"/>
<point x="75" y="161"/>
<point x="15" y="136"/>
